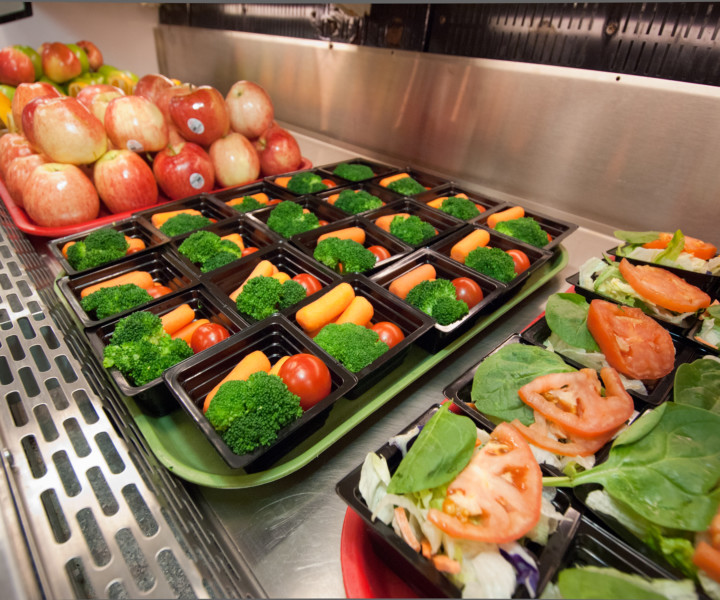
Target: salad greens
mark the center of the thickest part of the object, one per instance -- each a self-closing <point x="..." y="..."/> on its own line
<point x="710" y="329"/>
<point x="698" y="384"/>
<point x="566" y="315"/>
<point x="499" y="377"/>
<point x="666" y="466"/>
<point x="440" y="452"/>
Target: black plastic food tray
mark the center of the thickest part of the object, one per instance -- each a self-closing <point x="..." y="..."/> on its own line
<point x="440" y="335"/>
<point x="273" y="193"/>
<point x="387" y="307"/>
<point x="557" y="229"/>
<point x="283" y="255"/>
<point x="385" y="195"/>
<point x="658" y="389"/>
<point x="536" y="256"/>
<point x="374" y="236"/>
<point x="153" y="396"/>
<point x="379" y="169"/>
<point x="131" y="227"/>
<point x="485" y="205"/>
<point x="427" y="180"/>
<point x="162" y="263"/>
<point x="205" y="204"/>
<point x="191" y="380"/>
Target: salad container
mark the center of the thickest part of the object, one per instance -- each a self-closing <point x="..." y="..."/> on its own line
<point x="205" y="204"/>
<point x="379" y="169"/>
<point x="191" y="380"/>
<point x="153" y="397"/>
<point x="162" y="263"/>
<point x="485" y="205"/>
<point x="440" y="335"/>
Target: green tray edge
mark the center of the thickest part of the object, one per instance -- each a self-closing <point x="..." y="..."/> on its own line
<point x="213" y="472"/>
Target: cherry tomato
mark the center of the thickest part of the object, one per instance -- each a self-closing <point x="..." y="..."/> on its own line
<point x="133" y="250"/>
<point x="468" y="291"/>
<point x="248" y="250"/>
<point x="158" y="290"/>
<point x="322" y="222"/>
<point x="381" y="252"/>
<point x="389" y="333"/>
<point x="208" y="335"/>
<point x="274" y="201"/>
<point x="309" y="282"/>
<point x="329" y="182"/>
<point x="521" y="260"/>
<point x="306" y="376"/>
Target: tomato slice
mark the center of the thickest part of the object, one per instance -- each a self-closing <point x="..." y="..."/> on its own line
<point x="664" y="288"/>
<point x="633" y="343"/>
<point x="540" y="434"/>
<point x="573" y="401"/>
<point x="496" y="498"/>
<point x="693" y="246"/>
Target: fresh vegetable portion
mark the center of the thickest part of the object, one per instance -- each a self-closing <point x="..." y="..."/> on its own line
<point x="249" y="203"/>
<point x="184" y="223"/>
<point x="709" y="333"/>
<point x="493" y="262"/>
<point x="525" y="229"/>
<point x="262" y="296"/>
<point x="211" y="251"/>
<point x="402" y="183"/>
<point x="355" y="201"/>
<point x="97" y="248"/>
<point x="110" y="301"/>
<point x="353" y="171"/>
<point x="698" y="384"/>
<point x="412" y="229"/>
<point x="289" y="218"/>
<point x="438" y="299"/>
<point x="344" y="255"/>
<point x="355" y="346"/>
<point x="306" y="182"/>
<point x="459" y="206"/>
<point x="670" y="250"/>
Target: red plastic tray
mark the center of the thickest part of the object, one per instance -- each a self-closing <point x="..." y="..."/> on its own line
<point x="365" y="575"/>
<point x="24" y="223"/>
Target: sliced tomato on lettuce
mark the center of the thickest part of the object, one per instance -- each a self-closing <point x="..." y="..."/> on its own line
<point x="551" y="437"/>
<point x="693" y="246"/>
<point x="664" y="288"/>
<point x="496" y="498"/>
<point x="633" y="343"/>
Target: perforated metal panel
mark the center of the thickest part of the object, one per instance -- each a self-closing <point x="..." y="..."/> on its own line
<point x="101" y="518"/>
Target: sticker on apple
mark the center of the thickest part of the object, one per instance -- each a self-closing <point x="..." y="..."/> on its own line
<point x="197" y="181"/>
<point x="135" y="146"/>
<point x="195" y="125"/>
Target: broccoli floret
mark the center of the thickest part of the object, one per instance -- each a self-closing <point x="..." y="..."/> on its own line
<point x="98" y="248"/>
<point x="525" y="229"/>
<point x="306" y="182"/>
<point x="218" y="260"/>
<point x="231" y="247"/>
<point x="412" y="230"/>
<point x="262" y="296"/>
<point x="141" y="350"/>
<point x="353" y="172"/>
<point x="353" y="345"/>
<point x="355" y="202"/>
<point x="288" y="219"/>
<point x="493" y="262"/>
<point x="112" y="300"/>
<point x="249" y="414"/>
<point x="437" y="298"/>
<point x="248" y="203"/>
<point x="406" y="186"/>
<point x="349" y="255"/>
<point x="462" y="208"/>
<point x="200" y="246"/>
<point x="184" y="223"/>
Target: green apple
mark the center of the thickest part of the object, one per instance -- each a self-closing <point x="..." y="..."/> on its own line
<point x="8" y="91"/>
<point x="34" y="57"/>
<point x="82" y="57"/>
<point x="60" y="88"/>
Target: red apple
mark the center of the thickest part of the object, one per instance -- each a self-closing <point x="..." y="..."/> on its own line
<point x="18" y="172"/>
<point x="12" y="146"/>
<point x="98" y="105"/>
<point x="124" y="181"/>
<point x="183" y="170"/>
<point x="164" y="95"/>
<point x="235" y="160"/>
<point x="95" y="57"/>
<point x="59" y="63"/>
<point x="135" y="123"/>
<point x="151" y="84"/>
<point x="16" y="67"/>
<point x="278" y="150"/>
<point x="26" y="92"/>
<point x="64" y="130"/>
<point x="89" y="92"/>
<point x="200" y="116"/>
<point x="251" y="110"/>
<point x="57" y="195"/>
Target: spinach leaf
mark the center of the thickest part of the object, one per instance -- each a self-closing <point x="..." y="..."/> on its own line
<point x="566" y="315"/>
<point x="673" y="249"/>
<point x="698" y="384"/>
<point x="442" y="449"/>
<point x="637" y="237"/>
<point x="589" y="582"/>
<point x="668" y="472"/>
<point x="499" y="377"/>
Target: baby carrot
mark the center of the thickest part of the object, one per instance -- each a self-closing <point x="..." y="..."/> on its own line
<point x="134" y="245"/>
<point x="158" y="219"/>
<point x="281" y="276"/>
<point x="236" y="239"/>
<point x="437" y="203"/>
<point x="356" y="234"/>
<point x="332" y="198"/>
<point x="360" y="311"/>
<point x="384" y="221"/>
<point x="388" y="180"/>
<point x="403" y="284"/>
<point x="275" y="370"/>
<point x="65" y="248"/>
<point x="282" y="181"/>
<point x="326" y="308"/>
<point x="264" y="267"/>
<point x="474" y="239"/>
<point x="142" y="279"/>
<point x="514" y="212"/>
<point x="251" y="363"/>
<point x="177" y="318"/>
<point x="186" y="333"/>
<point x="261" y="197"/>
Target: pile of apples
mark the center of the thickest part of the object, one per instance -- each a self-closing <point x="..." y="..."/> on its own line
<point x="66" y="157"/>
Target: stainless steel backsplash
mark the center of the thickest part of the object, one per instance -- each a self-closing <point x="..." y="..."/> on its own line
<point x="619" y="151"/>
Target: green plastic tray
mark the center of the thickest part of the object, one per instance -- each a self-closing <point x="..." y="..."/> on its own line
<point x="181" y="447"/>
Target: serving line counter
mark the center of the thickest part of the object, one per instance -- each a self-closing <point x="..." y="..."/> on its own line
<point x="102" y="517"/>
